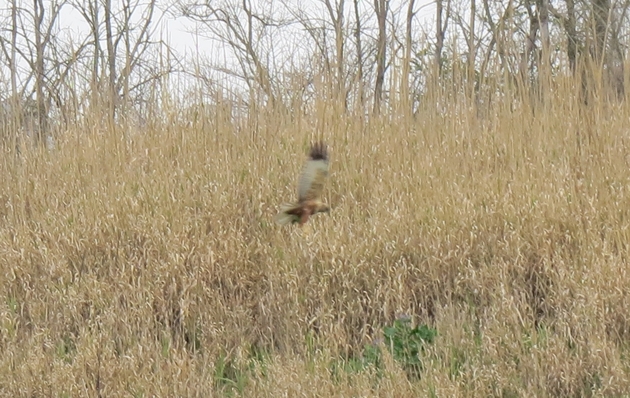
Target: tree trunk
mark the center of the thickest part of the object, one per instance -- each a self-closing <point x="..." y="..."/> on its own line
<point x="572" y="39"/>
<point x="543" y="17"/>
<point x="16" y="110"/>
<point x="601" y="9"/>
<point x="439" y="37"/>
<point x="530" y="44"/>
<point x="617" y="51"/>
<point x="337" y="18"/>
<point x="96" y="79"/>
<point x="406" y="66"/>
<point x="111" y="62"/>
<point x="472" y="50"/>
<point x="544" y="60"/>
<point x="38" y="15"/>
<point x="13" y="63"/>
<point x="380" y="6"/>
<point x="357" y="38"/>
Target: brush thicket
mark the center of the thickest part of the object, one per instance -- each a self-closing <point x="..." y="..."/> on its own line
<point x="146" y="262"/>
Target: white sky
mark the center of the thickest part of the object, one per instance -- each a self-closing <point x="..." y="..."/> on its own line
<point x="183" y="34"/>
<point x="180" y="32"/>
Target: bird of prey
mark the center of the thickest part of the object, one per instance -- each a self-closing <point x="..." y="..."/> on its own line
<point x="310" y="186"/>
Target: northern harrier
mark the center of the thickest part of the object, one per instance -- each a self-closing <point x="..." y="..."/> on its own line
<point x="310" y="188"/>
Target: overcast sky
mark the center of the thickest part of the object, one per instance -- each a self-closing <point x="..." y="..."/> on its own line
<point x="182" y="34"/>
<point x="187" y="37"/>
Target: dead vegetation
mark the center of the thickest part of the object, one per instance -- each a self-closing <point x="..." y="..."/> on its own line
<point x="151" y="266"/>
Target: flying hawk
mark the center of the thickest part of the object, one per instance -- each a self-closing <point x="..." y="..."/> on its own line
<point x="310" y="188"/>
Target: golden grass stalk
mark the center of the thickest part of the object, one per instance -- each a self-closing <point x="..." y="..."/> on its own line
<point x="148" y="264"/>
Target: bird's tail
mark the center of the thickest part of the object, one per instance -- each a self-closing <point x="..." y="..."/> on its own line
<point x="283" y="217"/>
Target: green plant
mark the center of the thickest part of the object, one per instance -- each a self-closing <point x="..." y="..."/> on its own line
<point x="405" y="343"/>
<point x="230" y="378"/>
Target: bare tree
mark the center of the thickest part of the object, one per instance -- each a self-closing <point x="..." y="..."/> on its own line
<point x="40" y="62"/>
<point x="530" y="42"/>
<point x="467" y="28"/>
<point x="10" y="53"/>
<point x="606" y="52"/>
<point x="543" y="16"/>
<point x="572" y="39"/>
<point x="13" y="53"/>
<point x="336" y="15"/>
<point x="333" y="65"/>
<point x="617" y="49"/>
<point x="593" y="35"/>
<point x="380" y="7"/>
<point x="90" y="11"/>
<point x="38" y="21"/>
<point x="406" y="64"/>
<point x="601" y="11"/>
<point x="359" y="46"/>
<point x="497" y="31"/>
<point x="441" y="26"/>
<point x="135" y="47"/>
<point x="32" y="33"/>
<point x="111" y="61"/>
<point x="127" y="29"/>
<point x="242" y="29"/>
<point x="472" y="48"/>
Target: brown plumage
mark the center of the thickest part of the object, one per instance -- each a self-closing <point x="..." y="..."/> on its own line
<point x="310" y="187"/>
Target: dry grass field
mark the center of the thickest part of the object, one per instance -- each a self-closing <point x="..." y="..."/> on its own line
<point x="146" y="263"/>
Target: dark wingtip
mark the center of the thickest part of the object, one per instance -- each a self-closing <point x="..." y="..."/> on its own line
<point x="319" y="151"/>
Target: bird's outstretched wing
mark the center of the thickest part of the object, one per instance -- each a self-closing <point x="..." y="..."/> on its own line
<point x="314" y="174"/>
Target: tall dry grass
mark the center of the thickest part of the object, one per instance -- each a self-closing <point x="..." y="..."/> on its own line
<point x="146" y="263"/>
